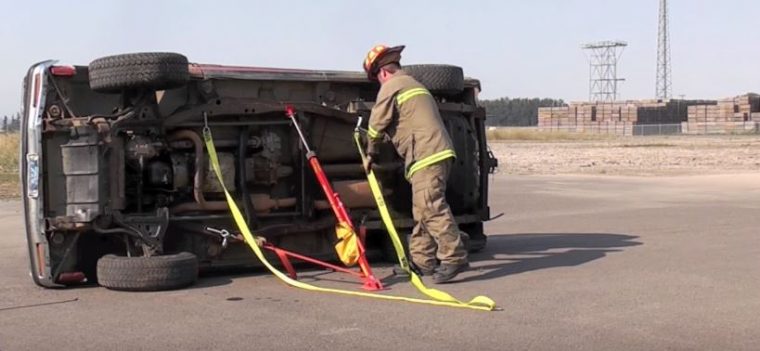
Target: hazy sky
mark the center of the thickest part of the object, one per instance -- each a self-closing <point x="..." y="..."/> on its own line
<point x="517" y="48"/>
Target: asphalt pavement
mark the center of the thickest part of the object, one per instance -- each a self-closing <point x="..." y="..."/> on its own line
<point x="575" y="263"/>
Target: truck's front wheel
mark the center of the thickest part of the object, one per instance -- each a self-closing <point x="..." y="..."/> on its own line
<point x="151" y="273"/>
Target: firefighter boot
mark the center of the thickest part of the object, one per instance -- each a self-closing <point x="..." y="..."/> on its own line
<point x="446" y="272"/>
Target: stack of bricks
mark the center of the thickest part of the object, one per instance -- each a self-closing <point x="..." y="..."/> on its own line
<point x="733" y="115"/>
<point x="603" y="118"/>
<point x="620" y="118"/>
<point x="616" y="118"/>
<point x="555" y="117"/>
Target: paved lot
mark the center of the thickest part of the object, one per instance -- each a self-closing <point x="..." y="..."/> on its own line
<point x="605" y="263"/>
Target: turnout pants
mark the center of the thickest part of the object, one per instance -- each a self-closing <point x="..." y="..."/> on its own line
<point x="435" y="234"/>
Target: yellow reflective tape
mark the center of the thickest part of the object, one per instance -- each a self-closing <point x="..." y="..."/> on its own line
<point x="478" y="303"/>
<point x="372" y="133"/>
<point x="403" y="97"/>
<point x="407" y="97"/>
<point x="410" y="91"/>
<point x="429" y="160"/>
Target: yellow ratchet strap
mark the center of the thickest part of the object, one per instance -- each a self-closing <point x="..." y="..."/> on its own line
<point x="439" y="300"/>
<point x="478" y="302"/>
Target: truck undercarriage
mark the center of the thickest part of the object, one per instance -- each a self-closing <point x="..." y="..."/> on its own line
<point x="114" y="166"/>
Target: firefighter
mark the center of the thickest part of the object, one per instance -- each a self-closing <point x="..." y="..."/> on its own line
<point x="406" y="112"/>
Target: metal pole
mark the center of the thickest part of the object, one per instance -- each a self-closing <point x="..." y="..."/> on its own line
<point x="292" y="115"/>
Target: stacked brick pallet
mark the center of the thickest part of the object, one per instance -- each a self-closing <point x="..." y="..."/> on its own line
<point x="615" y="112"/>
<point x="580" y="118"/>
<point x="734" y="115"/>
<point x="615" y="118"/>
<point x="640" y="116"/>
<point x="549" y="117"/>
<point x="605" y="118"/>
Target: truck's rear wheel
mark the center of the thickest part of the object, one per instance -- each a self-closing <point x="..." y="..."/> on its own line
<point x="443" y="80"/>
<point x="139" y="71"/>
<point x="150" y="273"/>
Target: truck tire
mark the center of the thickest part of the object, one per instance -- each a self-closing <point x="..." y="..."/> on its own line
<point x="147" y="273"/>
<point x="443" y="80"/>
<point x="139" y="71"/>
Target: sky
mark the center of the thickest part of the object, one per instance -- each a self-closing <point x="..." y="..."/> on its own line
<point x="516" y="48"/>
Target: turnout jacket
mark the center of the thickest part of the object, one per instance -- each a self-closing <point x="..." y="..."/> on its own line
<point x="406" y="111"/>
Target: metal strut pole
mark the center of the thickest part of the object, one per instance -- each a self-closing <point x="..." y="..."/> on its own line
<point x="292" y="115"/>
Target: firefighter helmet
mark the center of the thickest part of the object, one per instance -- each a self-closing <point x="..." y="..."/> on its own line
<point x="379" y="56"/>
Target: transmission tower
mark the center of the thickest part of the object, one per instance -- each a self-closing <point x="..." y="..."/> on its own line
<point x="603" y="79"/>
<point x="664" y="87"/>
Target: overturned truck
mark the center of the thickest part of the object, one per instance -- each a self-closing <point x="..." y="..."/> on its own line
<point x="116" y="182"/>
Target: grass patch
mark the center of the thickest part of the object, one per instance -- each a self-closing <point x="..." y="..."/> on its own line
<point x="9" y="165"/>
<point x="649" y="145"/>
<point x="531" y="134"/>
<point x="9" y="153"/>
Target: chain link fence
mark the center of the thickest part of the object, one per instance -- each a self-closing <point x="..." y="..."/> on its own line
<point x="657" y="129"/>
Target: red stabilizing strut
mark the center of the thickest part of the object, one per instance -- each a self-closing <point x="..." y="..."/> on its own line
<point x="283" y="259"/>
<point x="284" y="256"/>
<point x="370" y="281"/>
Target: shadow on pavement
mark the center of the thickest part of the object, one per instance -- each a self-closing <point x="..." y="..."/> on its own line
<point x="518" y="253"/>
<point x="504" y="255"/>
<point x="205" y="281"/>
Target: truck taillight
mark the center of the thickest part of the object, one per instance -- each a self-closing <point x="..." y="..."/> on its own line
<point x="40" y="260"/>
<point x="36" y="84"/>
<point x="63" y="71"/>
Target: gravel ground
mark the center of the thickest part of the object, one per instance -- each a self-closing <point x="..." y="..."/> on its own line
<point x="641" y="156"/>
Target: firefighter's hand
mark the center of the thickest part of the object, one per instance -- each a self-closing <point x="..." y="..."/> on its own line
<point x="260" y="241"/>
<point x="368" y="163"/>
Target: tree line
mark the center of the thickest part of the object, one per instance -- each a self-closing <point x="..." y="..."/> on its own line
<point x="518" y="112"/>
<point x="11" y="123"/>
